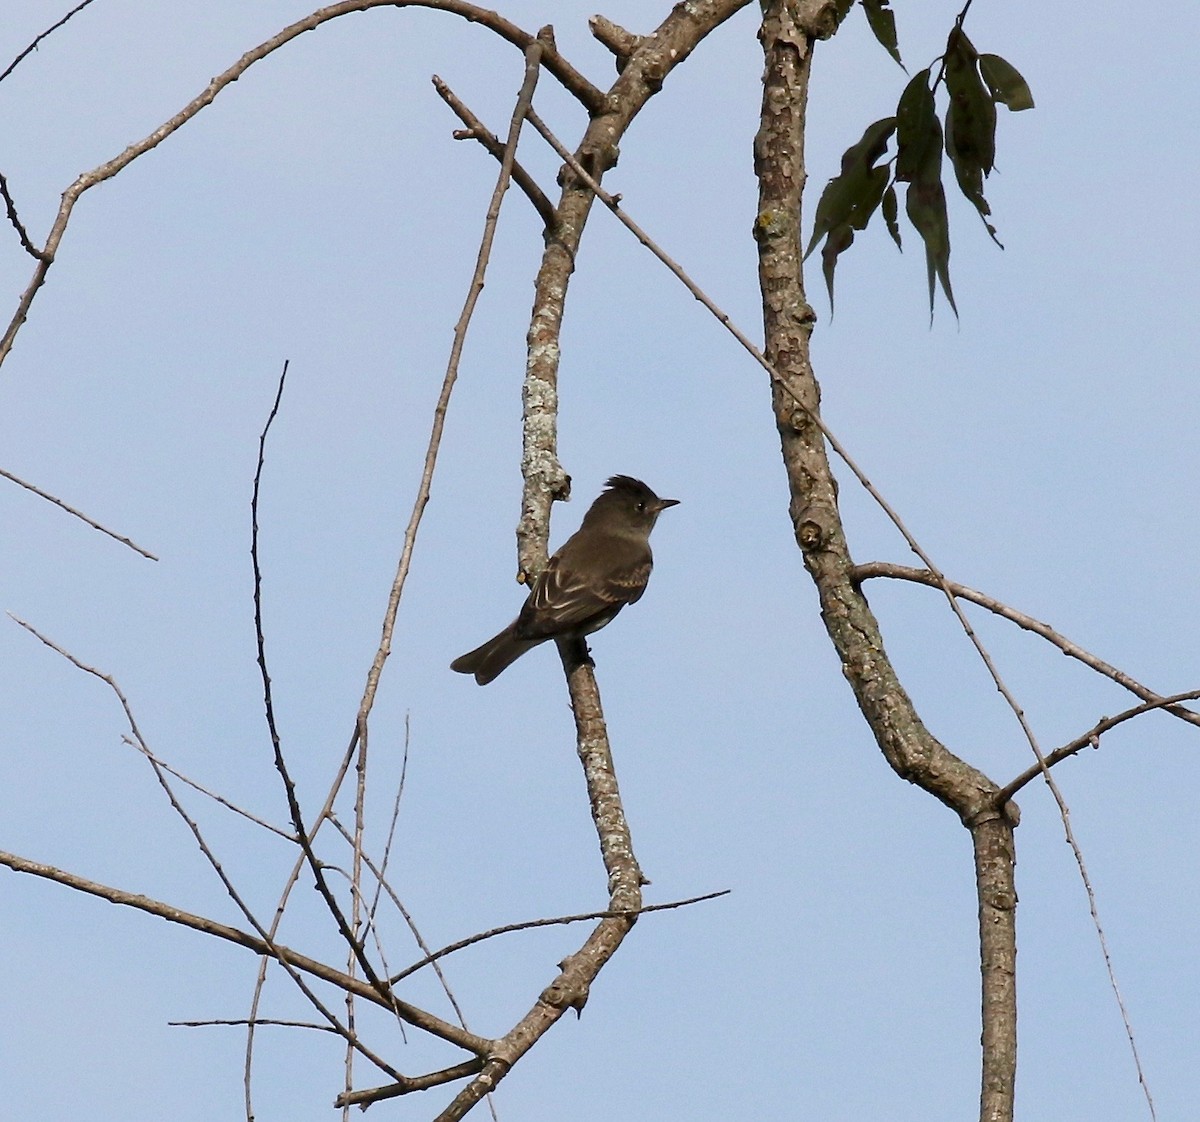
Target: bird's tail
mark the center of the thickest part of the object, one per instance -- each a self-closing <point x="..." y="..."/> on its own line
<point x="495" y="656"/>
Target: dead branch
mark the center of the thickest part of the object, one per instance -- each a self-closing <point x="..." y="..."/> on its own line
<point x="1091" y="739"/>
<point x="1028" y="623"/>
<point x="76" y="513"/>
<point x="570" y="78"/>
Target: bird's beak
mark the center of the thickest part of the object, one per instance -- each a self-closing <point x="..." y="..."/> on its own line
<point x="662" y="504"/>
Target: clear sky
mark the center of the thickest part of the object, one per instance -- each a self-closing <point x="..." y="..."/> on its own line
<point x="1042" y="449"/>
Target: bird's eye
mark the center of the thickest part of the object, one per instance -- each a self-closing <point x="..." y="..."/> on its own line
<point x="641" y="507"/>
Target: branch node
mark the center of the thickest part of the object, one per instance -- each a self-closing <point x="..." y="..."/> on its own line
<point x="622" y="43"/>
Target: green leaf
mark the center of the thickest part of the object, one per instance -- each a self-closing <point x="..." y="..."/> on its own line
<point x="918" y="134"/>
<point x="971" y="121"/>
<point x="883" y="25"/>
<point x="838" y="241"/>
<point x="890" y="212"/>
<point x="850" y="198"/>
<point x="969" y="173"/>
<point x="1006" y="83"/>
<point x="926" y="207"/>
<point x="970" y="124"/>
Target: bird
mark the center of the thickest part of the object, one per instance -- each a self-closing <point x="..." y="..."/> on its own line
<point x="602" y="567"/>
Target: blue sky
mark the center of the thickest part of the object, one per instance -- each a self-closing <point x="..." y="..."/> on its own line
<point x="1042" y="448"/>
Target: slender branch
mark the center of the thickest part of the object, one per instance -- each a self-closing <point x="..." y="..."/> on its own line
<point x="648" y="67"/>
<point x="269" y="949"/>
<point x="365" y="1098"/>
<point x="544" y="482"/>
<point x="34" y="45"/>
<point x="571" y="79"/>
<point x="240" y="1021"/>
<point x="158" y="762"/>
<point x="477" y="130"/>
<point x="922" y="576"/>
<point x="10" y="207"/>
<point x="289" y="786"/>
<point x="475" y="287"/>
<point x="525" y="925"/>
<point x="76" y="513"/>
<point x="1091" y="739"/>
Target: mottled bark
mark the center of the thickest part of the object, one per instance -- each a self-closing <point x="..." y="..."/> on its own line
<point x="789" y="32"/>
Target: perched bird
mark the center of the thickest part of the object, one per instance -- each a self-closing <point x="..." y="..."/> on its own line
<point x="602" y="567"/>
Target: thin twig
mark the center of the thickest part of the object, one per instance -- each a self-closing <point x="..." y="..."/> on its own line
<point x="525" y="925"/>
<point x="958" y="22"/>
<point x="239" y="1021"/>
<point x="34" y="45"/>
<point x="76" y="513"/>
<point x="1091" y="739"/>
<point x="208" y="853"/>
<point x="371" y="1095"/>
<point x="289" y="786"/>
<point x="874" y="569"/>
<point x="591" y="97"/>
<point x="10" y="207"/>
<point x="383" y="886"/>
<point x="477" y="130"/>
<point x="200" y="789"/>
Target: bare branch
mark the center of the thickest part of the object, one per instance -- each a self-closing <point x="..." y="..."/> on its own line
<point x="159" y="763"/>
<point x="922" y="576"/>
<point x="10" y="207"/>
<point x="571" y="79"/>
<point x="365" y="1098"/>
<point x="525" y="925"/>
<point x="241" y="1021"/>
<point x="269" y="712"/>
<point x="282" y="954"/>
<point x="76" y="513"/>
<point x="477" y="130"/>
<point x="34" y="45"/>
<point x="1091" y="739"/>
<point x="622" y="43"/>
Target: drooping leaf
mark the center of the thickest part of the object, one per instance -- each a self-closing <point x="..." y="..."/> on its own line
<point x="969" y="174"/>
<point x="926" y="207"/>
<point x="838" y="241"/>
<point x="1006" y="83"/>
<point x="925" y="204"/>
<point x="917" y="130"/>
<point x="890" y="214"/>
<point x="883" y="25"/>
<point x="852" y="196"/>
<point x="971" y="124"/>
<point x="869" y="200"/>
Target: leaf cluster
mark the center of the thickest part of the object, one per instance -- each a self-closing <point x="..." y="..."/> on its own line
<point x="974" y="84"/>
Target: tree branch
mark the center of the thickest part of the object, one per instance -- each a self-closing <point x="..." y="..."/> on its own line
<point x="413" y="1015"/>
<point x="923" y="576"/>
<point x="571" y="79"/>
<point x="477" y="130"/>
<point x="789" y="32"/>
<point x="1091" y="739"/>
<point x="77" y="514"/>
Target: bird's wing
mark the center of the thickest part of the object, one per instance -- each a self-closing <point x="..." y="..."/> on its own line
<point x="564" y="601"/>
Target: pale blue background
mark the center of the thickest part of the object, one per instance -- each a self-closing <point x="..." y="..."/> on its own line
<point x="1043" y="449"/>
